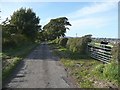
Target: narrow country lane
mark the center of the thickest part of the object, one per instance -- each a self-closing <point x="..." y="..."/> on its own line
<point x="39" y="70"/>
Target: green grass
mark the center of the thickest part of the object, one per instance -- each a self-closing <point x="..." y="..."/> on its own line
<point x="108" y="72"/>
<point x="86" y="70"/>
<point x="11" y="57"/>
<point x="80" y="69"/>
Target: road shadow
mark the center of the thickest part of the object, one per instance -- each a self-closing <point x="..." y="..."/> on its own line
<point x="42" y="52"/>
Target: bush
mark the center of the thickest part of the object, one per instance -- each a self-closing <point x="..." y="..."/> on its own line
<point x="14" y="40"/>
<point x="63" y="42"/>
<point x="78" y="44"/>
<point x="70" y="43"/>
<point x="8" y="44"/>
<point x="57" y="41"/>
<point x="19" y="38"/>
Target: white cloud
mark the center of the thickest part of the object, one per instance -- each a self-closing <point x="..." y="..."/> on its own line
<point x="95" y="8"/>
<point x="88" y="22"/>
<point x="92" y="18"/>
<point x="89" y="19"/>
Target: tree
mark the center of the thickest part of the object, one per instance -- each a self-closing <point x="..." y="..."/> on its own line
<point x="56" y="28"/>
<point x="9" y="37"/>
<point x="41" y="36"/>
<point x="26" y="23"/>
<point x="7" y="32"/>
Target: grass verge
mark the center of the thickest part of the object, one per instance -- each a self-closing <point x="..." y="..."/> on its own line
<point x="88" y="73"/>
<point x="11" y="57"/>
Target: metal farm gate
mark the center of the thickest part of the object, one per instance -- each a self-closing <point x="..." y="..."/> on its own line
<point x="100" y="51"/>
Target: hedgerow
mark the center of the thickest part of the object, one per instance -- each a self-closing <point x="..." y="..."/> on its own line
<point x="78" y="44"/>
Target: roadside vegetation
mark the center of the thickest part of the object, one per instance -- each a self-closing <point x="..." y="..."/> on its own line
<point x="18" y="38"/>
<point x="22" y="33"/>
<point x="12" y="56"/>
<point x="88" y="72"/>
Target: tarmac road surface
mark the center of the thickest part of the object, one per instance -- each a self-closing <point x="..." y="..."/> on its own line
<point x="40" y="69"/>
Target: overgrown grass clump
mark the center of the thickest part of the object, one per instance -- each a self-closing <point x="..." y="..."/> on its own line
<point x="110" y="71"/>
<point x="107" y="71"/>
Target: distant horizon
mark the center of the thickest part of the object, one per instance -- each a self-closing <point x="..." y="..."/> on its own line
<point x="97" y="18"/>
<point x="92" y="37"/>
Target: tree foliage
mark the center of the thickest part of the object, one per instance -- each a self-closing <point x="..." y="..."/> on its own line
<point x="56" y="28"/>
<point x="22" y="27"/>
<point x="26" y="22"/>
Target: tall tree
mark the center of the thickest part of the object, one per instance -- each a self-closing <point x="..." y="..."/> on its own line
<point x="26" y="22"/>
<point x="56" y="28"/>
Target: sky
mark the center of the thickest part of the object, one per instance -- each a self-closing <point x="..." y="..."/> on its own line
<point x="97" y="18"/>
